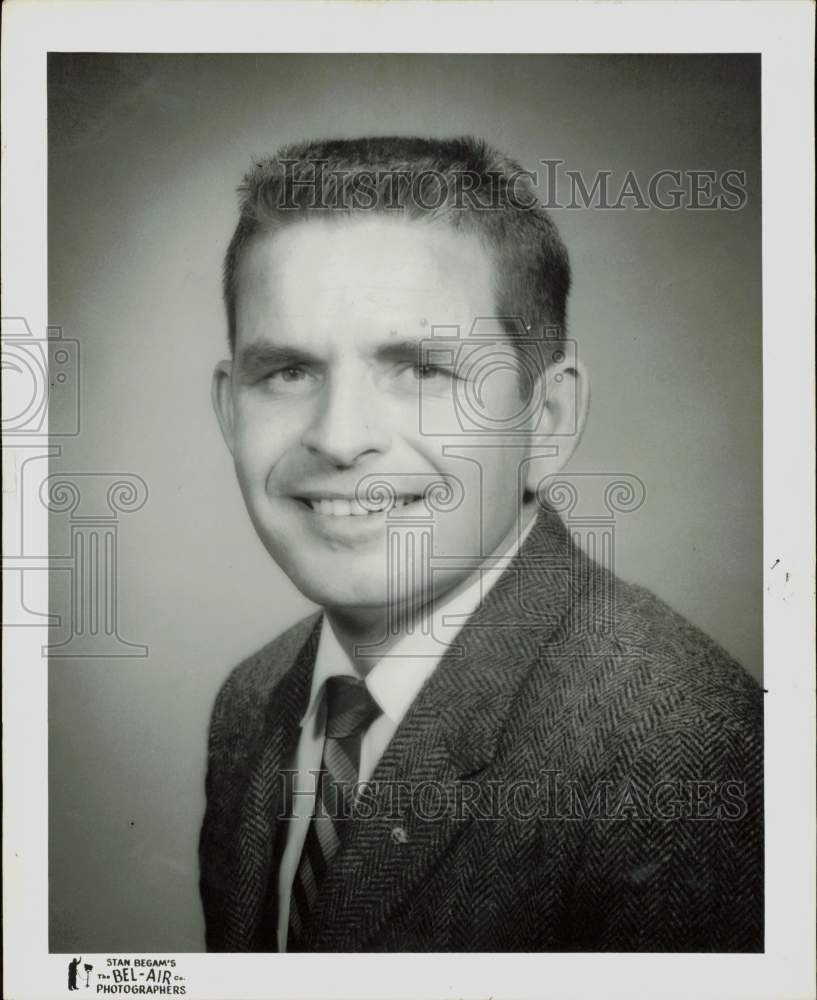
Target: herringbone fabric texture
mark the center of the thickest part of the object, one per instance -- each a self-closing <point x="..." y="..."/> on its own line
<point x="350" y="710"/>
<point x="610" y="755"/>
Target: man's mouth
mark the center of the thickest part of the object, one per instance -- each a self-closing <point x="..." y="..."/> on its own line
<point x="351" y="507"/>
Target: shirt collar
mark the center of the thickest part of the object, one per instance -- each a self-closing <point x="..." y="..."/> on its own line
<point x="330" y="661"/>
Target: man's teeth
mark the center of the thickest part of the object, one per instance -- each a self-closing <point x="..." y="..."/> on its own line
<point x="351" y="508"/>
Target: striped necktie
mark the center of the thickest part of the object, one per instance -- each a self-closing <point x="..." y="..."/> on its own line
<point x="350" y="709"/>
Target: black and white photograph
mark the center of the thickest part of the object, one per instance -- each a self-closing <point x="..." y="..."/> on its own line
<point x="406" y="480"/>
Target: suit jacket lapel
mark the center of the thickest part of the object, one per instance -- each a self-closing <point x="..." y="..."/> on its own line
<point x="251" y="915"/>
<point x="451" y="732"/>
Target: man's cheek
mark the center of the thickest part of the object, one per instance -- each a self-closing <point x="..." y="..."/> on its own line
<point x="249" y="457"/>
<point x="258" y="446"/>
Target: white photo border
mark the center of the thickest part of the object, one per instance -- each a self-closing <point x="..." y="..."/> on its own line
<point x="783" y="33"/>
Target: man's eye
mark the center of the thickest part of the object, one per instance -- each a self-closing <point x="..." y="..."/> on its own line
<point x="291" y="374"/>
<point x="435" y="378"/>
<point x="292" y="378"/>
<point x="426" y="373"/>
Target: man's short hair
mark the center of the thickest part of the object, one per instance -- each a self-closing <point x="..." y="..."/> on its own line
<point x="461" y="182"/>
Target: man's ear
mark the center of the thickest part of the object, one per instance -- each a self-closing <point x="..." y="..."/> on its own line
<point x="222" y="396"/>
<point x="566" y="403"/>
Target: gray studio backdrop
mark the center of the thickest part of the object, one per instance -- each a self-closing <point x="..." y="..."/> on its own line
<point x="145" y="153"/>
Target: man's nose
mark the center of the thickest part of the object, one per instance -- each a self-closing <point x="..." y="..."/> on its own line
<point x="348" y="424"/>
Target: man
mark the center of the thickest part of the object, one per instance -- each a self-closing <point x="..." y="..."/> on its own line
<point x="484" y="742"/>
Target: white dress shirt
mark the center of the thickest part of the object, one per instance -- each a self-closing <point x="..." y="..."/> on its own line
<point x="394" y="682"/>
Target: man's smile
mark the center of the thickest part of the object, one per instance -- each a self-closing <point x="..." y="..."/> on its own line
<point x="350" y="506"/>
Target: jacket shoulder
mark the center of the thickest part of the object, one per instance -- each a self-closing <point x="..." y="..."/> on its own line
<point x="257" y="674"/>
<point x="678" y="654"/>
<point x="630" y="669"/>
<point x="242" y="699"/>
<point x="236" y="726"/>
<point x="663" y="712"/>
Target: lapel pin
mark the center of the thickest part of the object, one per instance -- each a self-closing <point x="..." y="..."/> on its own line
<point x="399" y="835"/>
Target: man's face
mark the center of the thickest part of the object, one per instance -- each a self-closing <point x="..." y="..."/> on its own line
<point x="327" y="387"/>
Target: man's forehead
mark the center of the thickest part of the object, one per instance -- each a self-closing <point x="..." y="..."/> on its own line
<point x="376" y="265"/>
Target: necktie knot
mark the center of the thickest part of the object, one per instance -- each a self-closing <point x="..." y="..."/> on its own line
<point x="350" y="707"/>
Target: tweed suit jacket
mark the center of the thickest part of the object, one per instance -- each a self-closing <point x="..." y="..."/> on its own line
<point x="582" y="772"/>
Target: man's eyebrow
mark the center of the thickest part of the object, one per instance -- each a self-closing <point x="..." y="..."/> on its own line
<point x="404" y="350"/>
<point x="258" y="358"/>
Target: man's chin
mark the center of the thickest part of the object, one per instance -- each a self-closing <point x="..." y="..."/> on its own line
<point x="354" y="581"/>
<point x="361" y="604"/>
<point x="368" y="592"/>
